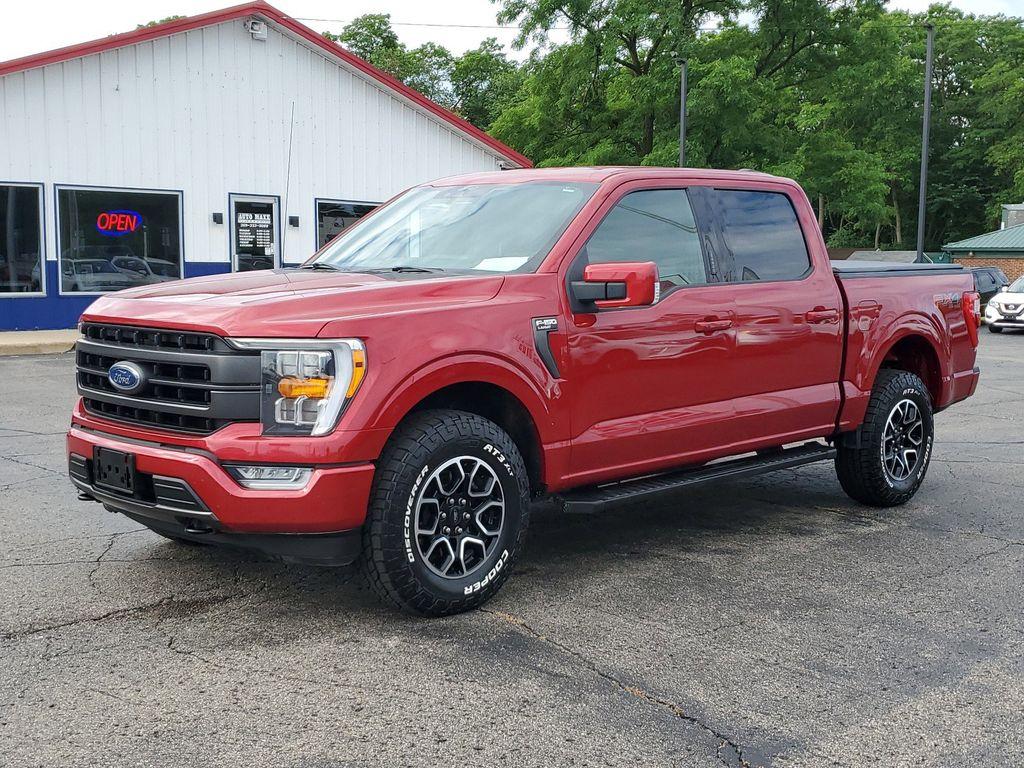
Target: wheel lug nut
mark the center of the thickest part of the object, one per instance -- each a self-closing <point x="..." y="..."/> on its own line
<point x="447" y="529"/>
<point x="458" y="530"/>
<point x="465" y="516"/>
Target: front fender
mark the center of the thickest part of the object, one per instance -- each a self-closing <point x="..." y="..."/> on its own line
<point x="539" y="398"/>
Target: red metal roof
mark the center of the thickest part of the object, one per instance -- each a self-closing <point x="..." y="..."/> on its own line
<point x="271" y="14"/>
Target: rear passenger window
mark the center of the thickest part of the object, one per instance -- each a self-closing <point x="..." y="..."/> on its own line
<point x="762" y="237"/>
<point x="652" y="225"/>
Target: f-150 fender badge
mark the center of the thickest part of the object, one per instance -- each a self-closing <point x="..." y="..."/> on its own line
<point x="542" y="326"/>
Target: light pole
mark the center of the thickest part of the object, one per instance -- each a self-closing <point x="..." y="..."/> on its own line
<point x="682" y="113"/>
<point x="925" y="130"/>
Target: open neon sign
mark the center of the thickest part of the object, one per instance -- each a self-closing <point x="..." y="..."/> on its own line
<point x="118" y="223"/>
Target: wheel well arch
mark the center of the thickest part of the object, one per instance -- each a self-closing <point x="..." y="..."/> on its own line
<point x="917" y="355"/>
<point x="497" y="404"/>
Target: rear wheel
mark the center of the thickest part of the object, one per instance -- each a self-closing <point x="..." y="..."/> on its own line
<point x="448" y="513"/>
<point x="885" y="463"/>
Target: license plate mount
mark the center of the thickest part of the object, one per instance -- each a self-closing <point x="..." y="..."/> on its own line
<point x="114" y="470"/>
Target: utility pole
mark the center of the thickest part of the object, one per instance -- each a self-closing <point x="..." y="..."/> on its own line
<point x="925" y="130"/>
<point x="682" y="113"/>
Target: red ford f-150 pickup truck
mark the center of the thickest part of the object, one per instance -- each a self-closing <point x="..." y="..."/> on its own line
<point x="594" y="334"/>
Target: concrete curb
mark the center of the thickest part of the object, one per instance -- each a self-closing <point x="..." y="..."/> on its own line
<point x="37" y="342"/>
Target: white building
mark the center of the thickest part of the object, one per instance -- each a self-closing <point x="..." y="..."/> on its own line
<point x="239" y="139"/>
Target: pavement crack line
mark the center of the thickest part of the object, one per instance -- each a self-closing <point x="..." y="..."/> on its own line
<point x="99" y="559"/>
<point x="48" y="470"/>
<point x="671" y="707"/>
<point x="119" y="613"/>
<point x="973" y="560"/>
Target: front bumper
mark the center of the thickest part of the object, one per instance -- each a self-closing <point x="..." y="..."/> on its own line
<point x="186" y="493"/>
<point x="1007" y="322"/>
<point x="1000" y="319"/>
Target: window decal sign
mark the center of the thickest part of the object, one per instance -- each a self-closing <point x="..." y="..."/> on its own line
<point x="118" y="223"/>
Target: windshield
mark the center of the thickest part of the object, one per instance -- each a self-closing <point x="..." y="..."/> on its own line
<point x="1017" y="286"/>
<point x="473" y="227"/>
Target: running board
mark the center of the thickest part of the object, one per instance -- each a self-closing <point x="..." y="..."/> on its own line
<point x="595" y="498"/>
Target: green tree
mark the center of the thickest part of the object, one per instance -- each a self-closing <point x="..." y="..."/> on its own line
<point x="476" y="85"/>
<point x="159" y="21"/>
<point x="484" y="82"/>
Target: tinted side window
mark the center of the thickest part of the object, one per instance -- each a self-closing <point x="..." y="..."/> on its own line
<point x="652" y="225"/>
<point x="762" y="237"/>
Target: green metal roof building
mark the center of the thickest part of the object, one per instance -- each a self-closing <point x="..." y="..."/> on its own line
<point x="1003" y="243"/>
<point x="1003" y="248"/>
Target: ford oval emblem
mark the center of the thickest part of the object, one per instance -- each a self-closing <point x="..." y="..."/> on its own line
<point x="127" y="377"/>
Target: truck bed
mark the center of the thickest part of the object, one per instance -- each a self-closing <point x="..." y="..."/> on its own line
<point x="884" y="302"/>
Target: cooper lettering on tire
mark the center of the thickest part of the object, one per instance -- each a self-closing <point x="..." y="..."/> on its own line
<point x="447" y="515"/>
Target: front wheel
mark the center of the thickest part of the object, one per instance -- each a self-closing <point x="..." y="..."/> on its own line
<point x="994" y="329"/>
<point x="886" y="463"/>
<point x="448" y="513"/>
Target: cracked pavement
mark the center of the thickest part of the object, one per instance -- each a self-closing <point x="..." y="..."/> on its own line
<point x="771" y="622"/>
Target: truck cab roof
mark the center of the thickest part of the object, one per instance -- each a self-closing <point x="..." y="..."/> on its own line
<point x="599" y="174"/>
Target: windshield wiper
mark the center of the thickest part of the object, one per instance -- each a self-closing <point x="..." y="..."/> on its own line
<point x="321" y="265"/>
<point x="407" y="268"/>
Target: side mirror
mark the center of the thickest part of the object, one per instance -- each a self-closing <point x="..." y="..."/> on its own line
<point x="618" y="284"/>
<point x="1004" y="289"/>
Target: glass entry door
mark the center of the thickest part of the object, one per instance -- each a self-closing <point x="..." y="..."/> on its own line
<point x="255" y="232"/>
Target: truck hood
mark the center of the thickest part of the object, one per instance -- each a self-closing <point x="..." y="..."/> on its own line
<point x="284" y="303"/>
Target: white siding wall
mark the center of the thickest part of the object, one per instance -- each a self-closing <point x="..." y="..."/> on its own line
<point x="209" y="112"/>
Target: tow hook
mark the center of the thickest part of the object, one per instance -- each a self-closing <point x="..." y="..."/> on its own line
<point x="195" y="527"/>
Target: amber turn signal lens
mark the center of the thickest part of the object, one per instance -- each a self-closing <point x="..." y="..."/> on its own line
<point x="358" y="371"/>
<point x="291" y="387"/>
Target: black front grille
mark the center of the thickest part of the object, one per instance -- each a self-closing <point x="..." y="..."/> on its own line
<point x="151" y="338"/>
<point x="194" y="382"/>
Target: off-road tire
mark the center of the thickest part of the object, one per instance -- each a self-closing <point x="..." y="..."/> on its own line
<point x="994" y="329"/>
<point x="859" y="462"/>
<point x="391" y="559"/>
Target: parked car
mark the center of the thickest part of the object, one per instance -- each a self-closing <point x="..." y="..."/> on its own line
<point x="149" y="270"/>
<point x="988" y="281"/>
<point x="1006" y="308"/>
<point x="22" y="275"/>
<point x="592" y="335"/>
<point x="93" y="275"/>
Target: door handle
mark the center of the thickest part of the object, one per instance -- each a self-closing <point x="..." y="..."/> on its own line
<point x="711" y="325"/>
<point x="822" y="315"/>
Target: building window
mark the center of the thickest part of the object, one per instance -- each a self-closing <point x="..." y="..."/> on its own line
<point x="334" y="216"/>
<point x="21" y="239"/>
<point x="109" y="239"/>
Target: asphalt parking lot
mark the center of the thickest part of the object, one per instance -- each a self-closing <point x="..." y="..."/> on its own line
<point x="771" y="622"/>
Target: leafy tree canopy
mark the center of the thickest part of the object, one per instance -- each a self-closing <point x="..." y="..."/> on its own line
<point x="828" y="92"/>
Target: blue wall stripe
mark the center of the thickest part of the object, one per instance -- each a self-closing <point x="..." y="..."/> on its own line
<point x="54" y="311"/>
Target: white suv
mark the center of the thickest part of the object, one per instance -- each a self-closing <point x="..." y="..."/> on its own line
<point x="1006" y="308"/>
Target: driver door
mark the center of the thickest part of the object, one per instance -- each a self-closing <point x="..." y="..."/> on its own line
<point x="647" y="384"/>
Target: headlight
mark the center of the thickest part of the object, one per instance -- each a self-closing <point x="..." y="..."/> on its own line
<point x="306" y="385"/>
<point x="992" y="306"/>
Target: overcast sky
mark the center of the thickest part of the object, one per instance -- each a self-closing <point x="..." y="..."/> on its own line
<point x="41" y="25"/>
